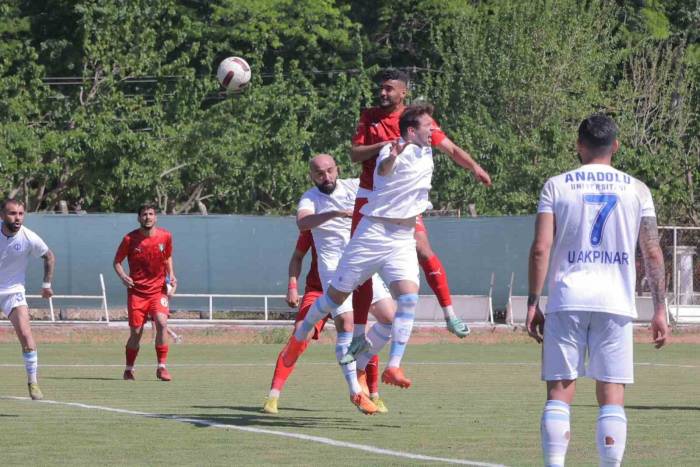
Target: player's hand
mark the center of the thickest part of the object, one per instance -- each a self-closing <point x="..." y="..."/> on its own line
<point x="396" y="148"/>
<point x="481" y="175"/>
<point x="659" y="329"/>
<point x="534" y="323"/>
<point x="344" y="213"/>
<point x="127" y="281"/>
<point x="172" y="287"/>
<point x="292" y="298"/>
<point x="46" y="293"/>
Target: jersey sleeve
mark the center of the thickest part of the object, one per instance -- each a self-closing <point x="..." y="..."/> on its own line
<point x="383" y="154"/>
<point x="437" y="136"/>
<point x="304" y="241"/>
<point x="169" y="246"/>
<point x="360" y="136"/>
<point x="546" y="204"/>
<point x="306" y="203"/>
<point x="122" y="251"/>
<point x="37" y="245"/>
<point x="647" y="202"/>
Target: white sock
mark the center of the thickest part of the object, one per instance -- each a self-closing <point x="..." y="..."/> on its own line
<point x="321" y="307"/>
<point x="402" y="327"/>
<point x="274" y="393"/>
<point x="379" y="334"/>
<point x="448" y="312"/>
<point x="555" y="428"/>
<point x="359" y="330"/>
<point x="611" y="435"/>
<point x="129" y="368"/>
<point x="161" y="365"/>
<point x="342" y="344"/>
<point x="31" y="362"/>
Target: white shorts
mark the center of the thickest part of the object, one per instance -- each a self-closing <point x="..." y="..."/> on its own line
<point x="605" y="337"/>
<point x="379" y="292"/>
<point x="376" y="246"/>
<point x="10" y="301"/>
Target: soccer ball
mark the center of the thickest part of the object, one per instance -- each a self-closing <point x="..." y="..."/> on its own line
<point x="233" y="73"/>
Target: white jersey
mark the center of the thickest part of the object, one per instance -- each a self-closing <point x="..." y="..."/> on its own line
<point x="402" y="193"/>
<point x="597" y="212"/>
<point x="332" y="236"/>
<point x="14" y="258"/>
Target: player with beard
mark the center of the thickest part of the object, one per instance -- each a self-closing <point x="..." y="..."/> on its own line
<point x="377" y="127"/>
<point x="326" y="210"/>
<point x="149" y="253"/>
<point x="17" y="244"/>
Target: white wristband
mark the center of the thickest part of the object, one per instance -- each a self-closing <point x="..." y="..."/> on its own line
<point x="46" y="285"/>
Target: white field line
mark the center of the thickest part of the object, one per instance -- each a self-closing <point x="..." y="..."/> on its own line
<point x="284" y="434"/>
<point x="244" y="365"/>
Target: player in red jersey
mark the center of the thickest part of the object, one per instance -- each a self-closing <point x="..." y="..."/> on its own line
<point x="149" y="252"/>
<point x="377" y="127"/>
<point x="312" y="290"/>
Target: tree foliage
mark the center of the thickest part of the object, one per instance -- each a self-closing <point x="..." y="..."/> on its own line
<point x="108" y="103"/>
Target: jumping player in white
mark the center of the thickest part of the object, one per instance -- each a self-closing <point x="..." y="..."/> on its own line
<point x="17" y="244"/>
<point x="590" y="219"/>
<point x="384" y="240"/>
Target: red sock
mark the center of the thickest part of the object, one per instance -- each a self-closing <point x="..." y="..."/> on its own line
<point x="131" y="355"/>
<point x="292" y="350"/>
<point x="162" y="353"/>
<point x="437" y="279"/>
<point x="361" y="301"/>
<point x="283" y="371"/>
<point x="372" y="370"/>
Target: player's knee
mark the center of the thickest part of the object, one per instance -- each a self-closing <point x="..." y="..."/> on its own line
<point x="407" y="302"/>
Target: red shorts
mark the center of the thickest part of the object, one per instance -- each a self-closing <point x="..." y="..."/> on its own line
<point x="357" y="217"/>
<point x="307" y="300"/>
<point x="142" y="306"/>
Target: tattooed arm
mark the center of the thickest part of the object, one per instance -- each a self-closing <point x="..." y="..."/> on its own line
<point x="654" y="266"/>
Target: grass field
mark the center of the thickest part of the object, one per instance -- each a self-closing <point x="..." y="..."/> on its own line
<point x="471" y="401"/>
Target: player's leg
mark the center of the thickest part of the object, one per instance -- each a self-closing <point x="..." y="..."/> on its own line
<point x="282" y="371"/>
<point x="406" y="293"/>
<point x="611" y="365"/>
<point x="159" y="314"/>
<point x="19" y="317"/>
<point x="344" y="323"/>
<point x="436" y="276"/>
<point x="362" y="296"/>
<point x="563" y="354"/>
<point x="378" y="335"/>
<point x="137" y="312"/>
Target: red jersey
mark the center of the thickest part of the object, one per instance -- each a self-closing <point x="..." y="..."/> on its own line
<point x="378" y="126"/>
<point x="148" y="257"/>
<point x="304" y="242"/>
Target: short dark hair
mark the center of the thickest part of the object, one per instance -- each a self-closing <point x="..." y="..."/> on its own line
<point x="597" y="132"/>
<point x="11" y="201"/>
<point x="146" y="206"/>
<point x="393" y="74"/>
<point x="411" y="114"/>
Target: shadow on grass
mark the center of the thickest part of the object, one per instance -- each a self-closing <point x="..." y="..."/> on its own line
<point x="253" y="416"/>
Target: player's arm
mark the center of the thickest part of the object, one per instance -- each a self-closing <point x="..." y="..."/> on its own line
<point x="307" y="220"/>
<point x="294" y="270"/>
<point x="363" y="152"/>
<point x="171" y="275"/>
<point x="464" y="159"/>
<point x="49" y="265"/>
<point x="654" y="266"/>
<point x="537" y="272"/>
<point x="122" y="252"/>
<point x="386" y="164"/>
